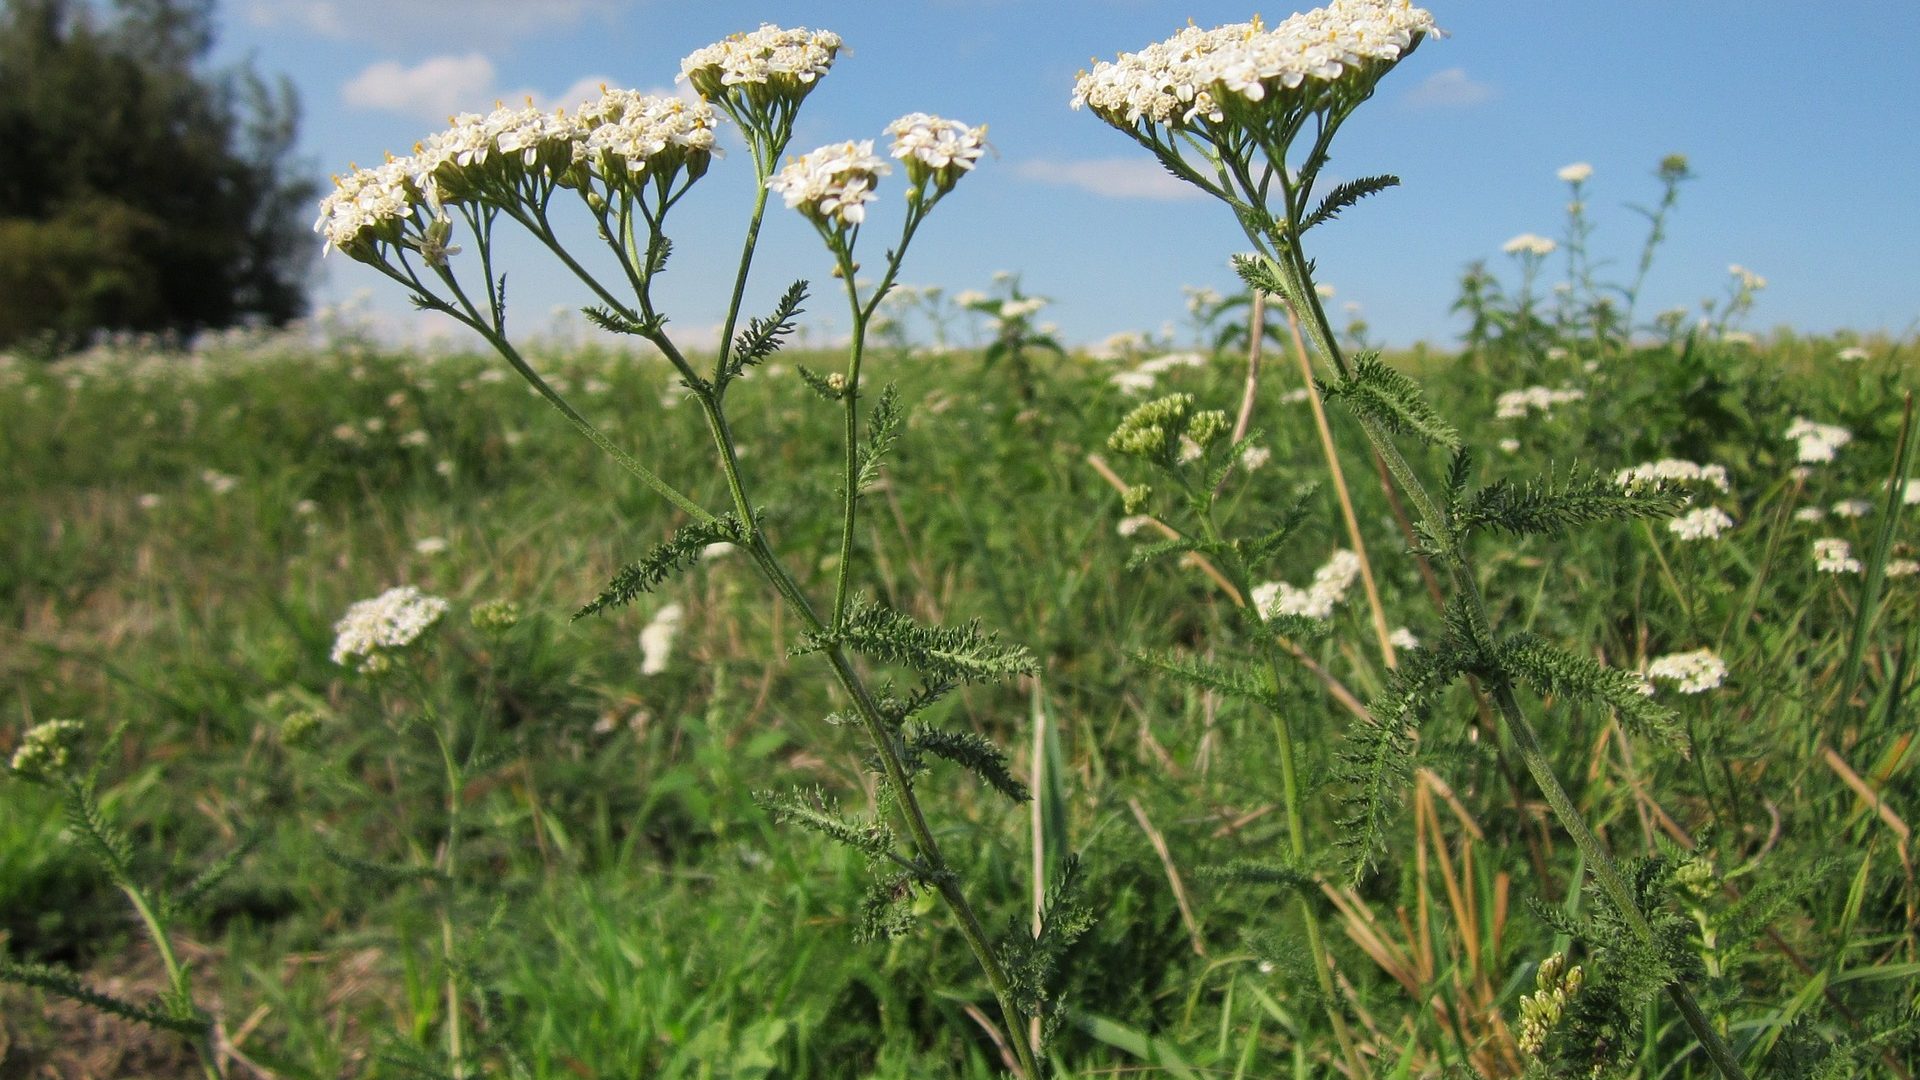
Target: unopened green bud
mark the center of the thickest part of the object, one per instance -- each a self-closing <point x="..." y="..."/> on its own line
<point x="45" y="753"/>
<point x="1208" y="427"/>
<point x="1134" y="499"/>
<point x="1696" y="877"/>
<point x="1153" y="430"/>
<point x="495" y="616"/>
<point x="301" y="728"/>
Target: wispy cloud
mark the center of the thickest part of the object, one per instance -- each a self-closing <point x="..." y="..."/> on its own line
<point x="440" y="86"/>
<point x="1452" y="88"/>
<point x="448" y="21"/>
<point x="1113" y="178"/>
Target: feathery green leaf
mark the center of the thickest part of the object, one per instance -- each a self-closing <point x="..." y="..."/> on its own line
<point x="961" y="654"/>
<point x="975" y="753"/>
<point x="67" y="984"/>
<point x="883" y="428"/>
<point x="763" y="337"/>
<point x="1242" y="683"/>
<point x="1344" y="196"/>
<point x="1551" y="507"/>
<point x="813" y="810"/>
<point x="1379" y="392"/>
<point x="676" y="551"/>
<point x="1551" y="670"/>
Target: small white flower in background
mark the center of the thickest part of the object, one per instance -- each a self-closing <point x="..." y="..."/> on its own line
<point x="1853" y="508"/>
<point x="1576" y="173"/>
<point x="1511" y="446"/>
<point x="1132" y="382"/>
<point x="1023" y="307"/>
<point x="1911" y="496"/>
<point x="832" y="185"/>
<point x="1817" y="441"/>
<point x="1169" y="361"/>
<point x="656" y="639"/>
<point x="1748" y="279"/>
<point x="393" y="620"/>
<point x="1674" y="469"/>
<point x="306" y="508"/>
<point x="431" y="545"/>
<point x="1706" y="523"/>
<point x="1692" y="672"/>
<point x="1810" y="514"/>
<point x="1902" y="567"/>
<point x="149" y="501"/>
<point x="1516" y="404"/>
<point x="1403" y="638"/>
<point x="416" y="437"/>
<point x="1739" y="337"/>
<point x="595" y="386"/>
<point x="1253" y="457"/>
<point x="375" y="425"/>
<point x="1326" y="292"/>
<point x="967" y="298"/>
<point x="1296" y="396"/>
<point x="1529" y="244"/>
<point x="1852" y="353"/>
<point x="1833" y="555"/>
<point x="1128" y="526"/>
<point x="347" y="433"/>
<point x="220" y="482"/>
<point x="443" y="467"/>
<point x="1330" y="585"/>
<point x="719" y="549"/>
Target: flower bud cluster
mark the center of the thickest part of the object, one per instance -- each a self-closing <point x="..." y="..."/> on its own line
<point x="1555" y="985"/>
<point x="46" y="750"/>
<point x="1833" y="555"/>
<point x="1157" y="429"/>
<point x="1675" y="470"/>
<point x="1817" y="442"/>
<point x="1198" y="77"/>
<point x="371" y="630"/>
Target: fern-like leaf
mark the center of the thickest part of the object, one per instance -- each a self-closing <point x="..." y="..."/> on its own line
<point x="57" y="980"/>
<point x="190" y="894"/>
<point x="959" y="654"/>
<point x="1344" y="196"/>
<point x="108" y="845"/>
<point x="763" y="337"/>
<point x="1258" y="275"/>
<point x="1551" y="670"/>
<point x="1262" y="872"/>
<point x="613" y="322"/>
<point x="678" y="550"/>
<point x="383" y="873"/>
<point x="1551" y="507"/>
<point x="1270" y="543"/>
<point x="1379" y="392"/>
<point x="975" y="753"/>
<point x="1160" y="549"/>
<point x="1229" y="682"/>
<point x="883" y="429"/>
<point x="1376" y="762"/>
<point x="820" y="384"/>
<point x="813" y="810"/>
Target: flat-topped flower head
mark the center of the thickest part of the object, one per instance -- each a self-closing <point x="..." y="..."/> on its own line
<point x="1529" y="244"/>
<point x="630" y="135"/>
<point x="756" y="69"/>
<point x="832" y="185"/>
<point x="369" y="206"/>
<point x="1155" y="430"/>
<point x="371" y="630"/>
<point x="1705" y="523"/>
<point x="1692" y="672"/>
<point x="1250" y="71"/>
<point x="937" y="149"/>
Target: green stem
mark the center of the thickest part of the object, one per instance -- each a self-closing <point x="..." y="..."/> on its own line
<point x="176" y="975"/>
<point x="450" y="869"/>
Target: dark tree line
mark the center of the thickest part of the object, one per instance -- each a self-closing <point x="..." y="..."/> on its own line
<point x="140" y="190"/>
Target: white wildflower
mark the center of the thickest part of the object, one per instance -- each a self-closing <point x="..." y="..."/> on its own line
<point x="832" y="185"/>
<point x="371" y="629"/>
<point x="45" y="750"/>
<point x="431" y="545"/>
<point x="1817" y="441"/>
<point x="1254" y="457"/>
<point x="1810" y="514"/>
<point x="149" y="501"/>
<point x="1296" y="395"/>
<point x="1403" y="638"/>
<point x="1022" y="308"/>
<point x="1911" y="495"/>
<point x="1577" y="173"/>
<point x="656" y="639"/>
<point x="1692" y="672"/>
<point x="1330" y="584"/>
<point x="1516" y="404"/>
<point x="779" y="61"/>
<point x="935" y="148"/>
<point x="416" y="437"/>
<point x="1749" y="280"/>
<point x="1132" y="382"/>
<point x="1833" y="555"/>
<point x="1852" y="353"/>
<point x="1676" y="470"/>
<point x="1529" y="244"/>
<point x="1128" y="526"/>
<point x="1853" y="508"/>
<point x="1511" y="446"/>
<point x="719" y="549"/>
<point x="220" y="483"/>
<point x="1706" y="523"/>
<point x="1169" y="361"/>
<point x="1902" y="567"/>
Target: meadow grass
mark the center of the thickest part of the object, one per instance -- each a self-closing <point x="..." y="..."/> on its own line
<point x="643" y="917"/>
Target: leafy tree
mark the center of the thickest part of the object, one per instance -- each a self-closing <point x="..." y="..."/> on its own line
<point x="138" y="189"/>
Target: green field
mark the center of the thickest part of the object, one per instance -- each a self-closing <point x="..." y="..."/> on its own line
<point x="182" y="532"/>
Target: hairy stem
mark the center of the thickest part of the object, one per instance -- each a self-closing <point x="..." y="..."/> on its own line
<point x="176" y="975"/>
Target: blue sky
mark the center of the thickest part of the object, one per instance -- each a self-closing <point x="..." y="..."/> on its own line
<point x="1799" y="120"/>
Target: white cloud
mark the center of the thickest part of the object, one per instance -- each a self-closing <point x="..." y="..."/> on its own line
<point x="1114" y="178"/>
<point x="1449" y="89"/>
<point x="441" y="86"/>
<point x="432" y="90"/>
<point x="454" y="22"/>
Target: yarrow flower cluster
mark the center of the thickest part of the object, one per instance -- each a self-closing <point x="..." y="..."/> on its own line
<point x="656" y="639"/>
<point x="1317" y="601"/>
<point x="1673" y="470"/>
<point x="1577" y="173"/>
<point x="1554" y="986"/>
<point x="1203" y="78"/>
<point x="1529" y="244"/>
<point x="1692" y="672"/>
<point x="1706" y="523"/>
<point x="937" y="149"/>
<point x="1817" y="441"/>
<point x="1516" y="404"/>
<point x="371" y="630"/>
<point x="1832" y="555"/>
<point x="832" y="185"/>
<point x="46" y="750"/>
<point x="616" y="141"/>
<point x="1853" y="508"/>
<point x="770" y="62"/>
